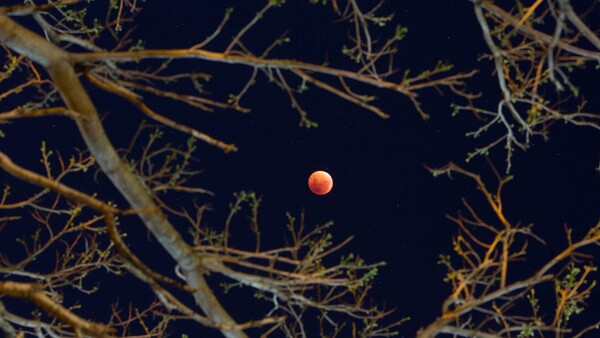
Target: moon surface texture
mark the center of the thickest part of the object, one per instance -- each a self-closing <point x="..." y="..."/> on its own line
<point x="320" y="182"/>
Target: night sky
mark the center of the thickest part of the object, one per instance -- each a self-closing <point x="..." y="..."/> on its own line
<point x="382" y="194"/>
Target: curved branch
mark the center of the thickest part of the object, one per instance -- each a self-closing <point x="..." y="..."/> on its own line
<point x="157" y="117"/>
<point x="533" y="33"/>
<point x="59" y="65"/>
<point x="35" y="294"/>
<point x="247" y="60"/>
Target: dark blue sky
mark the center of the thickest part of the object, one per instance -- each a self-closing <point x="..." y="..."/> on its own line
<point x="382" y="194"/>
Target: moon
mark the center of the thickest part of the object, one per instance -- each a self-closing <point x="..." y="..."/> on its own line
<point x="320" y="182"/>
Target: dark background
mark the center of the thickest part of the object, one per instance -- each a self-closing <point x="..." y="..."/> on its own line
<point x="382" y="194"/>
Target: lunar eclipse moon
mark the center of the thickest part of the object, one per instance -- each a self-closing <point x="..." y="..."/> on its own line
<point x="320" y="183"/>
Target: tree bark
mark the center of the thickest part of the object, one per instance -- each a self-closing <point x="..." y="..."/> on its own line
<point x="58" y="63"/>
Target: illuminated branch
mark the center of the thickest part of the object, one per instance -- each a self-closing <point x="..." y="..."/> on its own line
<point x="483" y="291"/>
<point x="533" y="33"/>
<point x="134" y="264"/>
<point x="20" y="113"/>
<point x="56" y="61"/>
<point x="157" y="117"/>
<point x="35" y="294"/>
<point x="528" y="64"/>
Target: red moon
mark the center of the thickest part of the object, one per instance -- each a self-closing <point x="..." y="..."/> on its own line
<point x="320" y="183"/>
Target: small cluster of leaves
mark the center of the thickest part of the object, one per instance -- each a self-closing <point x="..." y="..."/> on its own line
<point x="380" y="21"/>
<point x="360" y="281"/>
<point x="10" y="66"/>
<point x="161" y="166"/>
<point x="78" y="17"/>
<point x="439" y="68"/>
<point x="569" y="284"/>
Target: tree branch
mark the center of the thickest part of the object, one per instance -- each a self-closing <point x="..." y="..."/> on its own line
<point x="59" y="65"/>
